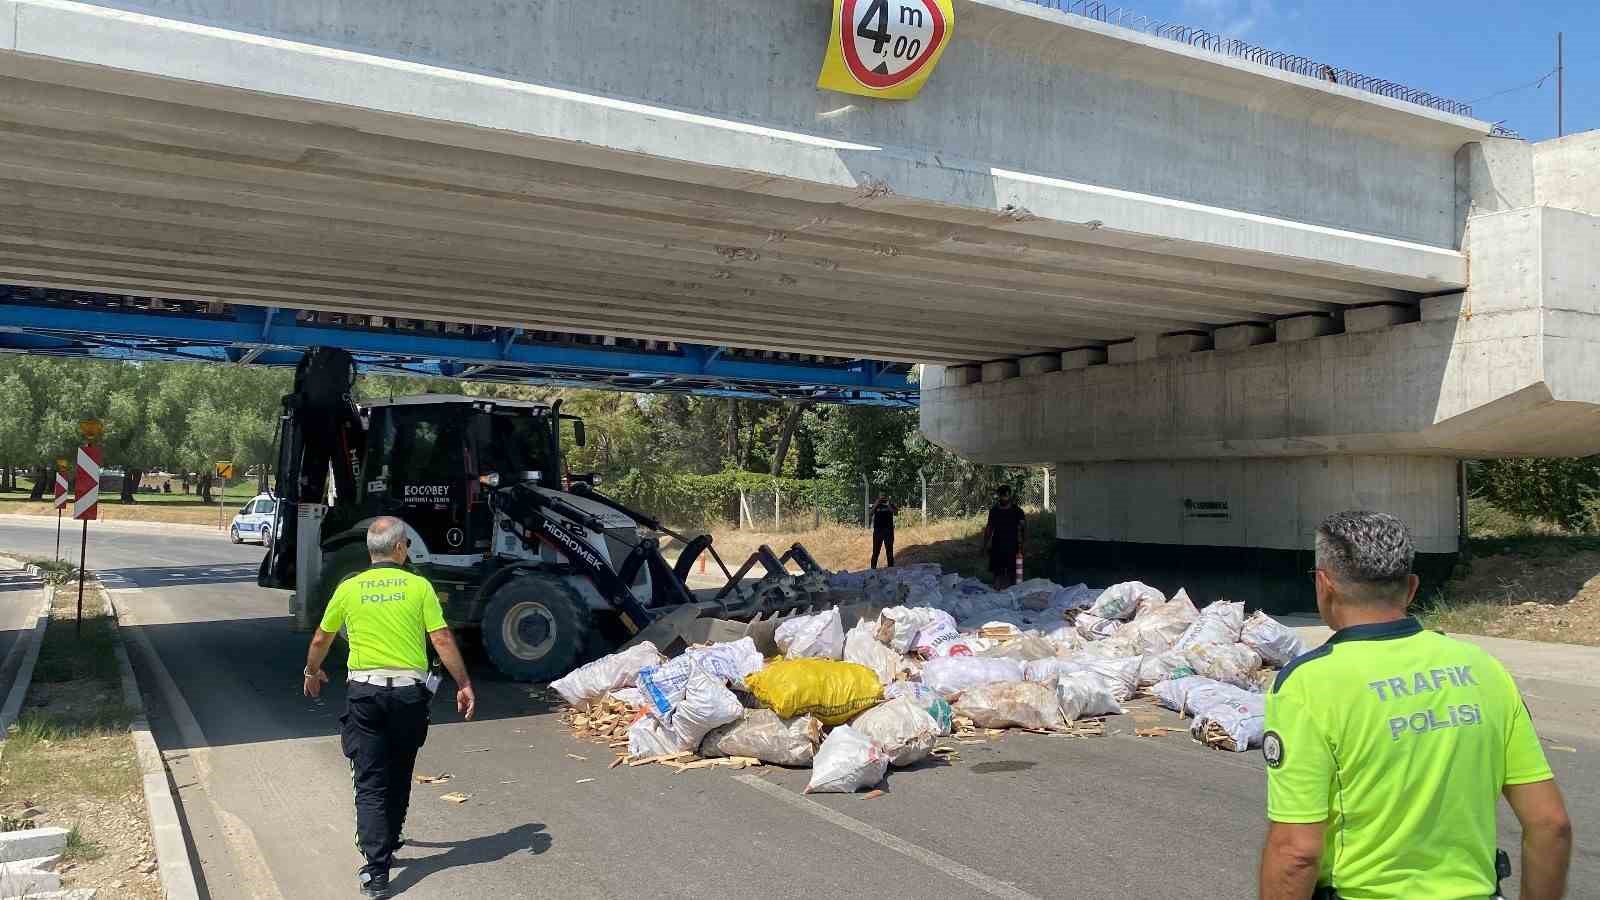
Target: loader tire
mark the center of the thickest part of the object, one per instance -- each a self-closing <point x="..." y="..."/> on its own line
<point x="536" y="628"/>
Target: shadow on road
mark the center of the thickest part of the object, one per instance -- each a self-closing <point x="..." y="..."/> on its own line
<point x="156" y="577"/>
<point x="241" y="678"/>
<point x="530" y="839"/>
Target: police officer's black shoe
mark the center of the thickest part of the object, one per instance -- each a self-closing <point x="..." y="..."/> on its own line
<point x="374" y="884"/>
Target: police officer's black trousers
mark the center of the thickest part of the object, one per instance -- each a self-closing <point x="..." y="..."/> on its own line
<point x="381" y="730"/>
<point x="882" y="540"/>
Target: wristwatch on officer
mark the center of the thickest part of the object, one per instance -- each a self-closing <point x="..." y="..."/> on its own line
<point x="308" y="673"/>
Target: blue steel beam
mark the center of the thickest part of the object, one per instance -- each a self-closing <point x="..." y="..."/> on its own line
<point x="64" y="328"/>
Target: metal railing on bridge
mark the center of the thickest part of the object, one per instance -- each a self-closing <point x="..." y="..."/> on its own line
<point x="1239" y="49"/>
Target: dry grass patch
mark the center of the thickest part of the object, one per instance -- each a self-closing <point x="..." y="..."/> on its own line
<point x="1529" y="587"/>
<point x="70" y="762"/>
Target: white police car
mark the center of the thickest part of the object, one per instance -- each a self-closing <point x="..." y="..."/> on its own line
<point x="253" y="522"/>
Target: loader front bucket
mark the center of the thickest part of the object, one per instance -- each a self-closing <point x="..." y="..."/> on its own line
<point x="713" y="622"/>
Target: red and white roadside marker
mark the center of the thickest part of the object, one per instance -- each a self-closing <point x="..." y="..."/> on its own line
<point x="86" y="506"/>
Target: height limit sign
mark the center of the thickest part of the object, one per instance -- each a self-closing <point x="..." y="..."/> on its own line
<point x="885" y="48"/>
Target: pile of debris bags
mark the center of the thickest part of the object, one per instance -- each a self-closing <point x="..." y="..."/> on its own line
<point x="945" y="653"/>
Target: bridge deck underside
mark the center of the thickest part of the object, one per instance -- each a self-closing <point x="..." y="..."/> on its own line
<point x="230" y="197"/>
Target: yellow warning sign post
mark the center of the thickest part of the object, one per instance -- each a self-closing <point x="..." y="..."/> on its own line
<point x="885" y="48"/>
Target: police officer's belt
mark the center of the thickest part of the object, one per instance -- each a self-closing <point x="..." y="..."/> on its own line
<point x="385" y="679"/>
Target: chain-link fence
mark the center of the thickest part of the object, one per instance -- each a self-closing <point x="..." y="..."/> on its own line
<point x="777" y="504"/>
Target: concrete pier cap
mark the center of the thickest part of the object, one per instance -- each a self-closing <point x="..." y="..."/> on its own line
<point x="1211" y="469"/>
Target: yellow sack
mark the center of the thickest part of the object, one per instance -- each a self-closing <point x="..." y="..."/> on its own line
<point x="833" y="691"/>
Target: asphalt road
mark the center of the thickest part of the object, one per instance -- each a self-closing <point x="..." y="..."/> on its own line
<point x="266" y="793"/>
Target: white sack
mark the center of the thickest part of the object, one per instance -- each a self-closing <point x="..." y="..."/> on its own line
<point x="1045" y="671"/>
<point x="1121" y="675"/>
<point x="1079" y="596"/>
<point x="820" y="636"/>
<point x="1157" y="628"/>
<point x="1234" y="664"/>
<point x="1011" y="704"/>
<point x="1095" y="628"/>
<point x="939" y="639"/>
<point x="1188" y="695"/>
<point x="1276" y="642"/>
<point x="762" y="734"/>
<point x="1219" y="623"/>
<point x="1121" y="601"/>
<point x="1118" y="645"/>
<point x="1066" y="639"/>
<point x="590" y="682"/>
<point x="730" y="661"/>
<point x="861" y="646"/>
<point x="631" y="696"/>
<point x="898" y="626"/>
<point x="1027" y="647"/>
<point x="1243" y="716"/>
<point x="648" y="737"/>
<point x="902" y="728"/>
<point x="1083" y="695"/>
<point x="1155" y="668"/>
<point x="663" y="686"/>
<point x="847" y="762"/>
<point x="951" y="675"/>
<point x="917" y="691"/>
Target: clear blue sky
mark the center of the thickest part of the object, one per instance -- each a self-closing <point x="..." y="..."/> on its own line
<point x="1466" y="50"/>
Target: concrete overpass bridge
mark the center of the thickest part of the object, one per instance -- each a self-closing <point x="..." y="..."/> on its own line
<point x="1222" y="297"/>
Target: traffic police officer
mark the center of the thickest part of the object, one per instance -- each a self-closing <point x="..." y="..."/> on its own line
<point x="1387" y="747"/>
<point x="385" y="611"/>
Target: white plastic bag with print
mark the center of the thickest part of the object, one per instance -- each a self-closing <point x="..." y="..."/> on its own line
<point x="1219" y="623"/>
<point x="847" y="761"/>
<point x="590" y="682"/>
<point x="1276" y="642"/>
<point x="1011" y="704"/>
<point x="1121" y="601"/>
<point x="1240" y="714"/>
<point x="939" y="639"/>
<point x="1085" y="695"/>
<point x="731" y="661"/>
<point x="819" y="636"/>
<point x="903" y="728"/>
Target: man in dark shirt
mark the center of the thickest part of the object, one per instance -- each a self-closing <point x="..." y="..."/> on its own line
<point x="883" y="528"/>
<point x="1002" y="538"/>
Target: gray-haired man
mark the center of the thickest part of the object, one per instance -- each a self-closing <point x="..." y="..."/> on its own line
<point x="1388" y="746"/>
<point x="389" y="616"/>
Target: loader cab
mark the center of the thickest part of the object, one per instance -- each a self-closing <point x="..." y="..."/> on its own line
<point x="425" y="455"/>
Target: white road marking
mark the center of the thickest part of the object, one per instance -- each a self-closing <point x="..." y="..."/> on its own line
<point x="985" y="883"/>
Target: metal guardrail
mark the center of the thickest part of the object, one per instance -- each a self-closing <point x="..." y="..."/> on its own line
<point x="1238" y="49"/>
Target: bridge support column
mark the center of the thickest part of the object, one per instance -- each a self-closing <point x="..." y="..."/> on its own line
<point x="1243" y="528"/>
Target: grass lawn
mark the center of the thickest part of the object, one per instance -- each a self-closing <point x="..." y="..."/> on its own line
<point x="955" y="544"/>
<point x="150" y="507"/>
<point x="1522" y="580"/>
<point x="69" y="761"/>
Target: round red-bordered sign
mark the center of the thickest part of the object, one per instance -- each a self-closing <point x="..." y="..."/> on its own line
<point x="886" y="42"/>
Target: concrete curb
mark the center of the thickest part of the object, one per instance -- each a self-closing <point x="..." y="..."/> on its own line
<point x="166" y="828"/>
<point x="12" y="709"/>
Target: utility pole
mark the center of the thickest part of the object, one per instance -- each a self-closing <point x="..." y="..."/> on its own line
<point x="1561" y="84"/>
